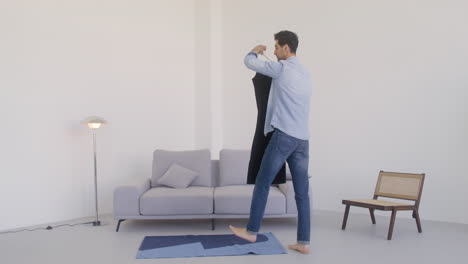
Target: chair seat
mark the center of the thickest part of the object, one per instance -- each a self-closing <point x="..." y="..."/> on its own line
<point x="378" y="204"/>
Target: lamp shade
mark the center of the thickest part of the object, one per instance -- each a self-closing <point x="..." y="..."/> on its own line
<point x="94" y="122"/>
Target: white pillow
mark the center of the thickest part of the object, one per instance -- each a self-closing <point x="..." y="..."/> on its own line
<point x="178" y="177"/>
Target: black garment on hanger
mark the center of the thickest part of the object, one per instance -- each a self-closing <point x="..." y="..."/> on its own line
<point x="262" y="84"/>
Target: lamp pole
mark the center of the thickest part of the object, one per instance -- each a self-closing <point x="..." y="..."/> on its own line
<point x="95" y="122"/>
<point x="96" y="222"/>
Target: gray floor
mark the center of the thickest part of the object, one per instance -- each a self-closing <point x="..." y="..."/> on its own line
<point x="362" y="242"/>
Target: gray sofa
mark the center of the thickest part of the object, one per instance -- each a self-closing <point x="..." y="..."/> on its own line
<point x="220" y="190"/>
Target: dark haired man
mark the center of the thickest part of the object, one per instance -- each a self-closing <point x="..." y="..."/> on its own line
<point x="287" y="116"/>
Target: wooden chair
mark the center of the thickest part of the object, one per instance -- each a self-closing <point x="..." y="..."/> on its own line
<point x="406" y="186"/>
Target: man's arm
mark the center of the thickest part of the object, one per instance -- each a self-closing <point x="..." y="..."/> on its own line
<point x="271" y="68"/>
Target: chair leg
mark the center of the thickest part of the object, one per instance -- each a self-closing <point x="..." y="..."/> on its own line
<point x="345" y="217"/>
<point x="418" y="221"/>
<point x="392" y="224"/>
<point x="118" y="225"/>
<point x="372" y="215"/>
<point x="212" y="224"/>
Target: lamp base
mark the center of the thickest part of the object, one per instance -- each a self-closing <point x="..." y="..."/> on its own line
<point x="96" y="223"/>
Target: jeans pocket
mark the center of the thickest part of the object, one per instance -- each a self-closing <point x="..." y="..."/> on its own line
<point x="284" y="143"/>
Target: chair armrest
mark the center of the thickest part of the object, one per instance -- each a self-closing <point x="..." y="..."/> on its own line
<point x="127" y="199"/>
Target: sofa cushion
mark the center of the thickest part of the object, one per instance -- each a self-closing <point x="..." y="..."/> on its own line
<point x="236" y="199"/>
<point x="170" y="201"/>
<point x="195" y="160"/>
<point x="233" y="166"/>
<point x="178" y="177"/>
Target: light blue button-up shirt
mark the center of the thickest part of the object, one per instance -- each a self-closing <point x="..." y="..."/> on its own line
<point x="289" y="100"/>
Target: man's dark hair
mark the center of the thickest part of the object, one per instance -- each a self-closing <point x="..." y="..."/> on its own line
<point x="287" y="37"/>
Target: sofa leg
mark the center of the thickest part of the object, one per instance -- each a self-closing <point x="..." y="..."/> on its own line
<point x="212" y="224"/>
<point x="118" y="225"/>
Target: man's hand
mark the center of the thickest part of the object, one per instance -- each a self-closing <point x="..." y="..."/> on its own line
<point x="259" y="49"/>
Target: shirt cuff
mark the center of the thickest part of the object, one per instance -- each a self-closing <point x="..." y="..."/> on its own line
<point x="253" y="53"/>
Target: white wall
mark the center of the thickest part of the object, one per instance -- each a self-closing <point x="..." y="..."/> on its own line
<point x="208" y="76"/>
<point x="390" y="91"/>
<point x="131" y="62"/>
<point x="389" y="86"/>
<point x="203" y="100"/>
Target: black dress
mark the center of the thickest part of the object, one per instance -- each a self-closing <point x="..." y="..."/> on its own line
<point x="262" y="84"/>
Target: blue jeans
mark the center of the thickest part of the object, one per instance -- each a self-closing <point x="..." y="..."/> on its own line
<point x="281" y="148"/>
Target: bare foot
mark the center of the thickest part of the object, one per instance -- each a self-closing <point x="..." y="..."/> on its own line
<point x="304" y="249"/>
<point x="242" y="233"/>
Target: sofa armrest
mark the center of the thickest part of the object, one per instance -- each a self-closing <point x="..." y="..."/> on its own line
<point x="127" y="199"/>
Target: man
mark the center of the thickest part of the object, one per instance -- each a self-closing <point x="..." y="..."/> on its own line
<point x="287" y="116"/>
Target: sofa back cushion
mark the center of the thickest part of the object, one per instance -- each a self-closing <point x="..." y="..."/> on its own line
<point x="233" y="166"/>
<point x="195" y="160"/>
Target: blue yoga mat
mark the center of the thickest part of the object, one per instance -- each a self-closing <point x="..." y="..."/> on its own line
<point x="206" y="246"/>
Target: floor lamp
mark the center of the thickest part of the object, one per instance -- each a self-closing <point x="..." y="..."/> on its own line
<point x="95" y="122"/>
